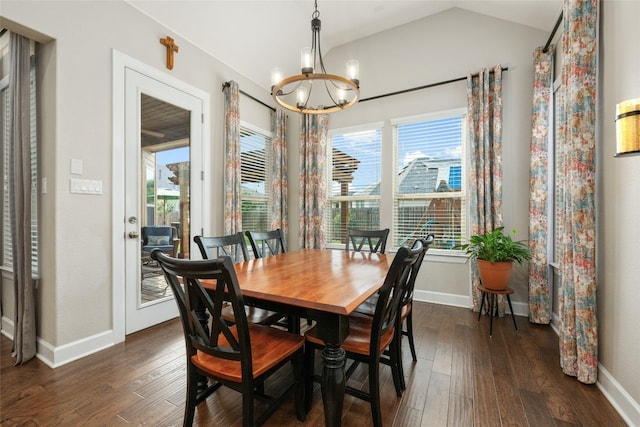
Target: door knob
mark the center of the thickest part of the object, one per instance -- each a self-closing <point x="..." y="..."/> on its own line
<point x="133" y="235"/>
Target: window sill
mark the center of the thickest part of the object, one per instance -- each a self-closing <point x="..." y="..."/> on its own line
<point x="433" y="255"/>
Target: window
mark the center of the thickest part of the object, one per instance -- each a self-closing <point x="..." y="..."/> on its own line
<point x="429" y="187"/>
<point x="256" y="169"/>
<point x="355" y="177"/>
<point x="7" y="245"/>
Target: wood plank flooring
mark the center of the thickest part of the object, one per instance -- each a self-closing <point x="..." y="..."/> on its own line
<point x="462" y="378"/>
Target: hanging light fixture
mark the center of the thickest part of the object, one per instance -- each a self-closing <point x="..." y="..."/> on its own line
<point x="314" y="91"/>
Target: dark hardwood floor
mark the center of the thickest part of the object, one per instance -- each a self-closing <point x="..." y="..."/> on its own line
<point x="462" y="378"/>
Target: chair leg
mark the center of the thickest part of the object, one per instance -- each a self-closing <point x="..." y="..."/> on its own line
<point x="403" y="384"/>
<point x="374" y="392"/>
<point x="191" y="401"/>
<point x="396" y="364"/>
<point x="247" y="408"/>
<point x="412" y="345"/>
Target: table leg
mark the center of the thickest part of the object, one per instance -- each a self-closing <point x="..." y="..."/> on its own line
<point x="333" y="383"/>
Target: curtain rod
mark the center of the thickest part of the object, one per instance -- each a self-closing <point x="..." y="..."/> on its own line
<point x="459" y="79"/>
<point x="553" y="33"/>
<point x="225" y="84"/>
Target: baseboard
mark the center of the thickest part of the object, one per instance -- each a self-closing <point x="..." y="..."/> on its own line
<point x="54" y="356"/>
<point x="628" y="408"/>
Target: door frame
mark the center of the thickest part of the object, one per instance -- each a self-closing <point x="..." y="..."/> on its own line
<point x="121" y="63"/>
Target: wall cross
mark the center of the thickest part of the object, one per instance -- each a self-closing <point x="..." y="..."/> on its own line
<point x="171" y="48"/>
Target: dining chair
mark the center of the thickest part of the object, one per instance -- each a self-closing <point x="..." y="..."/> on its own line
<point x="405" y="317"/>
<point x="239" y="356"/>
<point x="376" y="240"/>
<point x="265" y="243"/>
<point x="369" y="337"/>
<point x="235" y="246"/>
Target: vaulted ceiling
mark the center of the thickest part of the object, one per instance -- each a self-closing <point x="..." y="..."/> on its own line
<point x="253" y="36"/>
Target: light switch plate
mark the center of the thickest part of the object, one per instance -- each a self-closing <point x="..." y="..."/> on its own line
<point x="86" y="186"/>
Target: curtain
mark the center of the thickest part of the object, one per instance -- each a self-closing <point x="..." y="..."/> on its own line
<point x="539" y="287"/>
<point x="577" y="245"/>
<point x="313" y="186"/>
<point x="484" y="97"/>
<point x="20" y="187"/>
<point x="279" y="171"/>
<point x="232" y="159"/>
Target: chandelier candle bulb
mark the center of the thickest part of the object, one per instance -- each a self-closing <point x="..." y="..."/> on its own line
<point x="341" y="94"/>
<point x="306" y="60"/>
<point x="276" y="75"/>
<point x="302" y="94"/>
<point x="353" y="70"/>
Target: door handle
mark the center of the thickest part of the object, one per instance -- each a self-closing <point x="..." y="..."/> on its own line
<point x="133" y="235"/>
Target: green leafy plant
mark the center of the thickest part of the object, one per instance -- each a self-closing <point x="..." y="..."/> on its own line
<point x="495" y="246"/>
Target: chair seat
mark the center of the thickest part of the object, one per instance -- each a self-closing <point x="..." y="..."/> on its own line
<point x="254" y="315"/>
<point x="357" y="342"/>
<point x="269" y="346"/>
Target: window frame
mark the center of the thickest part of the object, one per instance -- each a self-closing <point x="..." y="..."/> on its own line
<point x="372" y="126"/>
<point x="446" y="255"/>
<point x="268" y="135"/>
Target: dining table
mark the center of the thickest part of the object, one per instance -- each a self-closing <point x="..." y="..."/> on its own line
<point x="324" y="285"/>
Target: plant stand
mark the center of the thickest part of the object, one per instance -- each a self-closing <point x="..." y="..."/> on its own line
<point x="493" y="304"/>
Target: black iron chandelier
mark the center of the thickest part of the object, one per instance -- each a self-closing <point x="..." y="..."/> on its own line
<point x="314" y="91"/>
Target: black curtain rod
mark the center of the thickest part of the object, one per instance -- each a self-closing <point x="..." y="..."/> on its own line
<point x="459" y="79"/>
<point x="553" y="33"/>
<point x="250" y="96"/>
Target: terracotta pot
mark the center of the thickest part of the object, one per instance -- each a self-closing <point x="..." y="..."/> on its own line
<point x="494" y="275"/>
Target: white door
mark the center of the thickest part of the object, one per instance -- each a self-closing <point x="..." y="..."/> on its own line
<point x="163" y="145"/>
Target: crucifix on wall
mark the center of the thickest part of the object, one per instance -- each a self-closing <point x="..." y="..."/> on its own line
<point x="171" y="48"/>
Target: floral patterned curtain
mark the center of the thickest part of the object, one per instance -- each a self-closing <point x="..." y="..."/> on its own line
<point x="279" y="171"/>
<point x="232" y="160"/>
<point x="577" y="245"/>
<point x="484" y="96"/>
<point x="313" y="186"/>
<point x="539" y="287"/>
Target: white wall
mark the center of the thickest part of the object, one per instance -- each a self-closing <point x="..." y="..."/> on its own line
<point x="618" y="234"/>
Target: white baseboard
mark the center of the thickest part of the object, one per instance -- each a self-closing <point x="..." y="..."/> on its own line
<point x="54" y="356"/>
<point x="628" y="408"/>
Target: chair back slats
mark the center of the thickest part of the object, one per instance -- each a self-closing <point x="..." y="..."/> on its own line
<point x="375" y="239"/>
<point x="266" y="243"/>
<point x="392" y="291"/>
<point x="196" y="304"/>
<point x="232" y="245"/>
<point x="426" y="243"/>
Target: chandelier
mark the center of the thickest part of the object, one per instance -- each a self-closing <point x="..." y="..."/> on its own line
<point x="332" y="92"/>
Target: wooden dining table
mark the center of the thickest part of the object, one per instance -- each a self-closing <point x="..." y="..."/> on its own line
<point x="323" y="285"/>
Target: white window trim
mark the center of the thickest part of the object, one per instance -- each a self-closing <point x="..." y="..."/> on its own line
<point x="452" y="256"/>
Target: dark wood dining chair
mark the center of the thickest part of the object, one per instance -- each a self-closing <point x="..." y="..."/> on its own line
<point x="239" y="356"/>
<point x="376" y="240"/>
<point x="265" y="243"/>
<point x="235" y="246"/>
<point x="406" y="317"/>
<point x="369" y="337"/>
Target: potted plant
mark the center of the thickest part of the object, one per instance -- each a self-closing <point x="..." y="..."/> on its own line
<point x="495" y="253"/>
